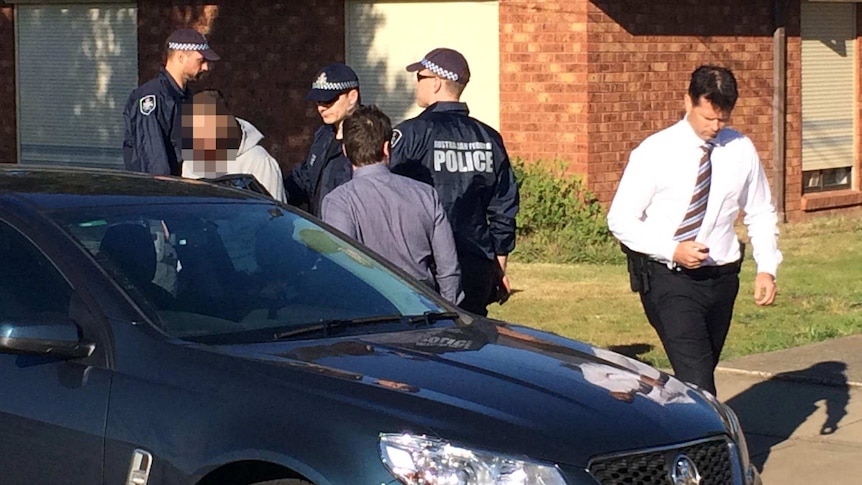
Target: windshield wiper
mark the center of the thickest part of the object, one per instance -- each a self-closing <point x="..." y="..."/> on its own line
<point x="328" y="325"/>
<point x="429" y="317"/>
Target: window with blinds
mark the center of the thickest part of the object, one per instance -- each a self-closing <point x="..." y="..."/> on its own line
<point x="382" y="37"/>
<point x="76" y="65"/>
<point x="828" y="100"/>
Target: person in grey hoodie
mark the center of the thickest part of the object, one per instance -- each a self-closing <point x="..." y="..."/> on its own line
<point x="221" y="144"/>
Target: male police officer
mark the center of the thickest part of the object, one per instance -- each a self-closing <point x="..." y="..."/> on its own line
<point x="153" y="138"/>
<point x="465" y="160"/>
<point x="336" y="91"/>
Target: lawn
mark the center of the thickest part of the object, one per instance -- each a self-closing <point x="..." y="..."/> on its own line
<point x="819" y="297"/>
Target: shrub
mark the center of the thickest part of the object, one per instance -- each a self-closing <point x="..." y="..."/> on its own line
<point x="560" y="220"/>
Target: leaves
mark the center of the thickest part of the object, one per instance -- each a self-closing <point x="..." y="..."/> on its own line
<point x="560" y="220"/>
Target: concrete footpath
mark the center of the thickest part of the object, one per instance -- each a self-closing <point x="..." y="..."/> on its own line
<point x="801" y="410"/>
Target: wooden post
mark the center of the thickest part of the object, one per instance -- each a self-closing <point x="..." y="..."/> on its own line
<point x="779" y="109"/>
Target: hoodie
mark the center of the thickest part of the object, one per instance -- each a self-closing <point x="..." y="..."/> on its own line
<point x="251" y="158"/>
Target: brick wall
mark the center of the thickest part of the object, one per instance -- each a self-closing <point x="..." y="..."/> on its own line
<point x="8" y="126"/>
<point x="270" y="53"/>
<point x="641" y="55"/>
<point x="543" y="74"/>
<point x="587" y="80"/>
<point x="581" y="80"/>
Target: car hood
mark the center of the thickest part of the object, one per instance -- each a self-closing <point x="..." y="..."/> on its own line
<point x="487" y="382"/>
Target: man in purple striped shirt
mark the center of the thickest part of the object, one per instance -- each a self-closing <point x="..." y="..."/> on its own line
<point x="397" y="217"/>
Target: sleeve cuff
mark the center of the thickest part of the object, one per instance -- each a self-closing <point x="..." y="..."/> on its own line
<point x="768" y="268"/>
<point x="666" y="251"/>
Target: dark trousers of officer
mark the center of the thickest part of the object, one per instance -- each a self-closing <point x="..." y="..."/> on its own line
<point x="691" y="312"/>
<point x="479" y="280"/>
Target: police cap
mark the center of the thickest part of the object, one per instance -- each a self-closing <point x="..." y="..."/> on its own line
<point x="445" y="63"/>
<point x="331" y="81"/>
<point x="191" y="40"/>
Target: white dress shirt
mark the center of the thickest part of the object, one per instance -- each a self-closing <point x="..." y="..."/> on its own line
<point x="656" y="189"/>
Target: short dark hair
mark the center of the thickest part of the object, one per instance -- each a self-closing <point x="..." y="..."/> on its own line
<point x="365" y="131"/>
<point x="716" y="84"/>
<point x="453" y="87"/>
<point x="214" y="93"/>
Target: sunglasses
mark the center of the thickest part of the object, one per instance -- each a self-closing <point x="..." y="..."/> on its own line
<point x="327" y="104"/>
<point x="420" y="77"/>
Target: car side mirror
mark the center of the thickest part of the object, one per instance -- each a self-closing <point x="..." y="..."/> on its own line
<point x="58" y="339"/>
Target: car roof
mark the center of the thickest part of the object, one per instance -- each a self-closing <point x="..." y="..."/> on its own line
<point x="67" y="187"/>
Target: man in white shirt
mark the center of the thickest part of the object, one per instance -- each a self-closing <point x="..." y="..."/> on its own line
<point x="674" y="214"/>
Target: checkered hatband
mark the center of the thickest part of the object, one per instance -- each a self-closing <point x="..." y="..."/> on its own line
<point x="445" y="74"/>
<point x="181" y="46"/>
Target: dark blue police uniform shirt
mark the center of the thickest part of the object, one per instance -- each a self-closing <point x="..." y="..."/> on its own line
<point x="466" y="161"/>
<point x="325" y="169"/>
<point x="153" y="137"/>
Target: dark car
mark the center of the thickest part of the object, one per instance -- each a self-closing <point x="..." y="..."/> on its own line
<point x="167" y="331"/>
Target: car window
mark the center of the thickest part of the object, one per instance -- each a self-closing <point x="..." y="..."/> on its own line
<point x="239" y="272"/>
<point x="31" y="288"/>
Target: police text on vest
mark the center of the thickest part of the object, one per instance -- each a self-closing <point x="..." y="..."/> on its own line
<point x="456" y="156"/>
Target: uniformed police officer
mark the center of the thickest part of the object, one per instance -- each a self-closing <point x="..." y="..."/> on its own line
<point x="465" y="160"/>
<point x="336" y="92"/>
<point x="152" y="115"/>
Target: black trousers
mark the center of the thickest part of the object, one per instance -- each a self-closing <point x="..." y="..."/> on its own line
<point x="479" y="280"/>
<point x="691" y="312"/>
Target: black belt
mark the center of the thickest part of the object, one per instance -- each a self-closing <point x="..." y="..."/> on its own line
<point x="704" y="272"/>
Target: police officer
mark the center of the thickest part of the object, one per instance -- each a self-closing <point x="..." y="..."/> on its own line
<point x="465" y="160"/>
<point x="336" y="92"/>
<point x="152" y="115"/>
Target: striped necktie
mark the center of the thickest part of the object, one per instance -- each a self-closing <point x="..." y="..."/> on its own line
<point x="690" y="225"/>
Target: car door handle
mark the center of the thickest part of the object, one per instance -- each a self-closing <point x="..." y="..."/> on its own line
<point x="139" y="472"/>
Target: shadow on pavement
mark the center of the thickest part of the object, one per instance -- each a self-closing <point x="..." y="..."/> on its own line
<point x="771" y="411"/>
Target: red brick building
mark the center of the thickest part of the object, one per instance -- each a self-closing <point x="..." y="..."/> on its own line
<point x="583" y="81"/>
<point x="588" y="80"/>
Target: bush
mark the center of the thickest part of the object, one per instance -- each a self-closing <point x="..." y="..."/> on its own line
<point x="560" y="220"/>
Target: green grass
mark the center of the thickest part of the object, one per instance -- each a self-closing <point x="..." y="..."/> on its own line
<point x="819" y="297"/>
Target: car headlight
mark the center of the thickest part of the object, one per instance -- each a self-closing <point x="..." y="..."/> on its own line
<point x="419" y="460"/>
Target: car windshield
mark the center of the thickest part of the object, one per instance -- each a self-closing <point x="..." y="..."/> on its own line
<point x="225" y="273"/>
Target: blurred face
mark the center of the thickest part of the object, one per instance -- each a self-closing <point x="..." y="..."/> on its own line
<point x="333" y="112"/>
<point x="205" y="136"/>
<point x="704" y="118"/>
<point x="211" y="134"/>
<point x="427" y="83"/>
